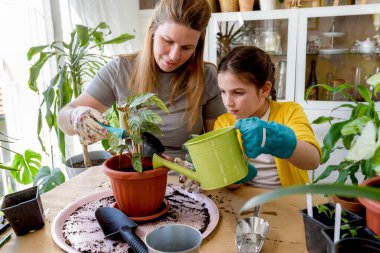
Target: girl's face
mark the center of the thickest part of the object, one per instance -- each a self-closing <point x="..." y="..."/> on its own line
<point x="241" y="98"/>
<point x="173" y="45"/>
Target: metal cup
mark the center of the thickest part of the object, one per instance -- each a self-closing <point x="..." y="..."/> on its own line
<point x="250" y="234"/>
<point x="174" y="238"/>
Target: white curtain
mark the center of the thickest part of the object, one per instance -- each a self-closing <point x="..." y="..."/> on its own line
<point x="120" y="15"/>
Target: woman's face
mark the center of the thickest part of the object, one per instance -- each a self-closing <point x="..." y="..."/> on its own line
<point x="173" y="45"/>
<point x="241" y="98"/>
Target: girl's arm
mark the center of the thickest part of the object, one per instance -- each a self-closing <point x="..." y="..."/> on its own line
<point x="305" y="156"/>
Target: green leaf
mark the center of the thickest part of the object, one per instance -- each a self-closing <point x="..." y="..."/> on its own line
<point x="355" y="126"/>
<point x="134" y="123"/>
<point x="118" y="40"/>
<point x="333" y="135"/>
<point x="35" y="69"/>
<point x="158" y="102"/>
<point x="376" y="161"/>
<point x="27" y="166"/>
<point x="113" y="141"/>
<point x="323" y="119"/>
<point x="83" y="35"/>
<point x="151" y="117"/>
<point x="137" y="163"/>
<point x="35" y="50"/>
<point x="343" y="175"/>
<point x="151" y="128"/>
<point x="331" y="168"/>
<point x="140" y="99"/>
<point x="366" y="168"/>
<point x="364" y="93"/>
<point x="374" y="79"/>
<point x="325" y="155"/>
<point x="48" y="179"/>
<point x="333" y="189"/>
<point x="377" y="89"/>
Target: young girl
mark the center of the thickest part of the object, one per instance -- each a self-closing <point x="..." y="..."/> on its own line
<point x="276" y="136"/>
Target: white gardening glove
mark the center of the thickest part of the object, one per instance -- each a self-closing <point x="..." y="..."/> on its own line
<point x="84" y="120"/>
<point x="188" y="184"/>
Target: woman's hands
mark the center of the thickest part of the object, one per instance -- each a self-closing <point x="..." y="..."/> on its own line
<point x="84" y="121"/>
<point x="269" y="138"/>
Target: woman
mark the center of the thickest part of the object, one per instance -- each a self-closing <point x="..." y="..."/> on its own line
<point x="276" y="136"/>
<point x="170" y="65"/>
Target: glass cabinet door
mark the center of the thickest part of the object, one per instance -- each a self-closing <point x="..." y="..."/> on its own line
<point x="273" y="31"/>
<point x="337" y="45"/>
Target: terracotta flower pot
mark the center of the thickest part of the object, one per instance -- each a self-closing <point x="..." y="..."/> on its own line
<point x="352" y="205"/>
<point x="137" y="194"/>
<point x="372" y="207"/>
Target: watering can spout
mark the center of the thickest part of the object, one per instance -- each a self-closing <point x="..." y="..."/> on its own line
<point x="158" y="161"/>
<point x="217" y="158"/>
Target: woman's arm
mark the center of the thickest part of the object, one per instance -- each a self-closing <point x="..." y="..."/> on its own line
<point x="64" y="115"/>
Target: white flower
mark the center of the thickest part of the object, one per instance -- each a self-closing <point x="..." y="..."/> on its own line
<point x="365" y="146"/>
<point x="374" y="80"/>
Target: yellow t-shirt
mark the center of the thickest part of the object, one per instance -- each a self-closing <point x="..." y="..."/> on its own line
<point x="293" y="116"/>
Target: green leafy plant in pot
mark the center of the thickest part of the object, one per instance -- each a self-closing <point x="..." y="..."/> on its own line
<point x="138" y="189"/>
<point x="78" y="61"/>
<point x="360" y="130"/>
<point x="358" y="134"/>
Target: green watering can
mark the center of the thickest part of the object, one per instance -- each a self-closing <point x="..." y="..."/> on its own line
<point x="217" y="157"/>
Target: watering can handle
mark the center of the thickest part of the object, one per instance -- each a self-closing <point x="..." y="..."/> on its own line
<point x="158" y="161"/>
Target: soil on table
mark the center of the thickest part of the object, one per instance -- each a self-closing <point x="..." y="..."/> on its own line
<point x="93" y="162"/>
<point x="82" y="232"/>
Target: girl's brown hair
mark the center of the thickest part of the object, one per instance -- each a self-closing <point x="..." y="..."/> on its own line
<point x="251" y="64"/>
<point x="194" y="14"/>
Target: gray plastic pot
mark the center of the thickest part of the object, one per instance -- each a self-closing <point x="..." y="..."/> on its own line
<point x="23" y="210"/>
<point x="94" y="155"/>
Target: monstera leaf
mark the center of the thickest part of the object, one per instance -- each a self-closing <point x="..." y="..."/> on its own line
<point x="48" y="179"/>
<point x="27" y="166"/>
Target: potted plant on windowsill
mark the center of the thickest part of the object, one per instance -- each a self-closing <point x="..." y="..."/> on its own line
<point x="78" y="61"/>
<point x="138" y="189"/>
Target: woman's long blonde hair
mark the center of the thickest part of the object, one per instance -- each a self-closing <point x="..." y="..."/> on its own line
<point x="194" y="14"/>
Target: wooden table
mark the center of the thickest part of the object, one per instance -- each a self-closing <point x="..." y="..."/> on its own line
<point x="286" y="232"/>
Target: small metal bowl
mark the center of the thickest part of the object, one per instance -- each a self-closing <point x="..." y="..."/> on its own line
<point x="250" y="234"/>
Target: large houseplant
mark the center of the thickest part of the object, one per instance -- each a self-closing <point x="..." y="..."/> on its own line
<point x="78" y="61"/>
<point x="358" y="133"/>
<point x="26" y="169"/>
<point x="138" y="189"/>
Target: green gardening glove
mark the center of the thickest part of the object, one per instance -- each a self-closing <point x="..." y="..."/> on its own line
<point x="260" y="137"/>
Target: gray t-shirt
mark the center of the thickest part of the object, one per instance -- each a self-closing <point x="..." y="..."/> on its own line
<point x="110" y="85"/>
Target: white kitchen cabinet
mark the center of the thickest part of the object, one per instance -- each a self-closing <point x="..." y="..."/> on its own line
<point x="305" y="34"/>
<point x="274" y="30"/>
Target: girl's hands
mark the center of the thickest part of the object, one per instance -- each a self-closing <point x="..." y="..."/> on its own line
<point x="269" y="138"/>
<point x="84" y="120"/>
